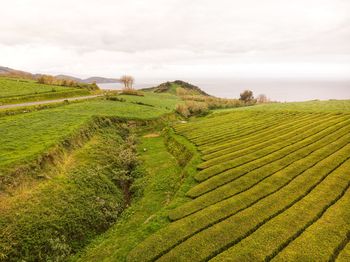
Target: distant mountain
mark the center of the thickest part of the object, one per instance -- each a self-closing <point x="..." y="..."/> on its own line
<point x="101" y="80"/>
<point x="66" y="77"/>
<point x="90" y="80"/>
<point x="170" y="87"/>
<point x="13" y="72"/>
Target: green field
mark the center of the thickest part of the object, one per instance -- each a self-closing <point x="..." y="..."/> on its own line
<point x="265" y="182"/>
<point x="25" y="136"/>
<point x="273" y="185"/>
<point x="14" y="91"/>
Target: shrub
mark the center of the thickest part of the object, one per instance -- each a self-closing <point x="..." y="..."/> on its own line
<point x="182" y="109"/>
<point x="192" y="108"/>
<point x="131" y="92"/>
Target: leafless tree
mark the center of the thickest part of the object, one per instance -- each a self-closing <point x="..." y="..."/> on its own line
<point x="128" y="81"/>
<point x="261" y="99"/>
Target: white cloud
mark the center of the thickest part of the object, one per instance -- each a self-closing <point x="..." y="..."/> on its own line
<point x="174" y="38"/>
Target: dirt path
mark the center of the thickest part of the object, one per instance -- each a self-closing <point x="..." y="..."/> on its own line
<point x="47" y="101"/>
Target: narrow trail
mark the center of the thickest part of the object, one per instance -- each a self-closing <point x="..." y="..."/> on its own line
<point x="47" y="101"/>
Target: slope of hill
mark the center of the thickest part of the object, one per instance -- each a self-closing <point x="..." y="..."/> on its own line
<point x="172" y="87"/>
<point x="266" y="178"/>
<point x="66" y="172"/>
<point x="250" y="184"/>
<point x="272" y="185"/>
<point x="14" y="91"/>
<point x="13" y="72"/>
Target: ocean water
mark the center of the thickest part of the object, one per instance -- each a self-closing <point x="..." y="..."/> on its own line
<point x="283" y="90"/>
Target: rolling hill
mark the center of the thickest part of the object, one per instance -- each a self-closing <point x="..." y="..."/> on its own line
<point x="23" y="74"/>
<point x="125" y="178"/>
<point x="172" y="87"/>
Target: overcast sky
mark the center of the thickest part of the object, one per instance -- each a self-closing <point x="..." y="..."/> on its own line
<point x="178" y="38"/>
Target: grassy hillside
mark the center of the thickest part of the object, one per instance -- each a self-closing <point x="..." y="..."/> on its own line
<point x="266" y="182"/>
<point x="19" y="90"/>
<point x="59" y="216"/>
<point x="65" y="173"/>
<point x="269" y="183"/>
<point x="173" y="88"/>
<point x="27" y="137"/>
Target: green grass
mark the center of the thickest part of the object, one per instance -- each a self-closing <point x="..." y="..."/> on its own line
<point x="18" y="91"/>
<point x="229" y="232"/>
<point x="184" y="228"/>
<point x="269" y="175"/>
<point x="344" y="254"/>
<point x="277" y="233"/>
<point x="25" y="136"/>
<point x="322" y="238"/>
<point x="334" y="106"/>
<point x="61" y="215"/>
<point x="165" y="101"/>
<point x="272" y="184"/>
<point x="148" y="213"/>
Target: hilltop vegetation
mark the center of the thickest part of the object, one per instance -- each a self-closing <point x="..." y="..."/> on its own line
<point x="171" y="87"/>
<point x="196" y="101"/>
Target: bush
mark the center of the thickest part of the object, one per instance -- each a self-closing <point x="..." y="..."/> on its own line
<point x="51" y="80"/>
<point x="131" y="92"/>
<point x="192" y="108"/>
<point x="182" y="109"/>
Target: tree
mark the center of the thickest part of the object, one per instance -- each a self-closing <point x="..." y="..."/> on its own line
<point x="128" y="81"/>
<point x="261" y="99"/>
<point x="247" y="96"/>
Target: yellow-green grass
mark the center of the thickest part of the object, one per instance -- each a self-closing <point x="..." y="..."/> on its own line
<point x="324" y="238"/>
<point x="219" y="237"/>
<point x="222" y="133"/>
<point x="257" y="136"/>
<point x="344" y="254"/>
<point x="14" y="91"/>
<point x="161" y="180"/>
<point x="302" y="179"/>
<point x="279" y="232"/>
<point x="265" y="155"/>
<point x="164" y="185"/>
<point x="25" y="136"/>
<point x="302" y="149"/>
<point x="253" y="181"/>
<point x="254" y="145"/>
<point x="291" y="177"/>
<point x="61" y="215"/>
<point x="165" y="101"/>
<point x="335" y="106"/>
<point x="230" y="129"/>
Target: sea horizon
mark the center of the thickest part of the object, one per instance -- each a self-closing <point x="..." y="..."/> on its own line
<point x="281" y="90"/>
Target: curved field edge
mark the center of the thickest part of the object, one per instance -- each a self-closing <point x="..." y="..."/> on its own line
<point x="32" y="141"/>
<point x="86" y="195"/>
<point x="26" y="172"/>
<point x="170" y="161"/>
<point x="14" y="91"/>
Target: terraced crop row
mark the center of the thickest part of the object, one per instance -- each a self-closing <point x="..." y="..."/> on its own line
<point x="255" y="137"/>
<point x="277" y="139"/>
<point x="289" y="140"/>
<point x="281" y="193"/>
